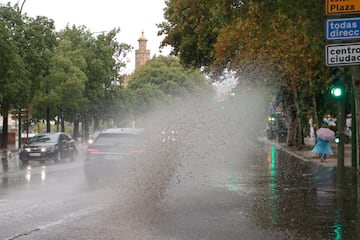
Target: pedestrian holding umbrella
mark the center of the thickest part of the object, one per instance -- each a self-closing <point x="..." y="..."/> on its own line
<point x="324" y="136"/>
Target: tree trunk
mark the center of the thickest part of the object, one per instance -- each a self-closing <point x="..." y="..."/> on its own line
<point x="96" y="123"/>
<point x="86" y="126"/>
<point x="62" y="125"/>
<point x="48" y="129"/>
<point x="292" y="111"/>
<point x="299" y="130"/>
<point x="4" y="136"/>
<point x="315" y="115"/>
<point x="76" y="130"/>
<point x="356" y="85"/>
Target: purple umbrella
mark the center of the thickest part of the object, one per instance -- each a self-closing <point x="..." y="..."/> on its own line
<point x="325" y="134"/>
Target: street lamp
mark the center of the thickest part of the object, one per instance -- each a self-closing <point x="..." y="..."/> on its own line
<point x="22" y="5"/>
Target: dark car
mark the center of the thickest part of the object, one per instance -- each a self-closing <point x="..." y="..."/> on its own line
<point x="110" y="150"/>
<point x="114" y="144"/>
<point x="48" y="146"/>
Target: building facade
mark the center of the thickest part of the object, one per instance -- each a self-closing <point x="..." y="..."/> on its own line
<point x="142" y="55"/>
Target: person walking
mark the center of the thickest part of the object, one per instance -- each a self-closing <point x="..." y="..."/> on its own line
<point x="324" y="135"/>
<point x="323" y="148"/>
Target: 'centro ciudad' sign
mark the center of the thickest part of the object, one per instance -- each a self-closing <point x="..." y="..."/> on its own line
<point x="342" y="6"/>
<point x="343" y="54"/>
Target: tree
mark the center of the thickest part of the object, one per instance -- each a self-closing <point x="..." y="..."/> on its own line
<point x="83" y="79"/>
<point x="249" y="37"/>
<point x="163" y="80"/>
<point x="104" y="57"/>
<point x="61" y="91"/>
<point x="293" y="68"/>
<point x="33" y="41"/>
<point x="192" y="27"/>
<point x="14" y="77"/>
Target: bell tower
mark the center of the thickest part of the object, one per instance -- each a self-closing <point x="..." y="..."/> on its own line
<point x="142" y="54"/>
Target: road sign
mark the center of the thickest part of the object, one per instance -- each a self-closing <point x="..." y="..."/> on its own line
<point x="25" y="114"/>
<point x="343" y="54"/>
<point x="342" y="6"/>
<point x="343" y="28"/>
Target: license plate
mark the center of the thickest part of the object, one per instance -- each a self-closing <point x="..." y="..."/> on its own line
<point x="34" y="154"/>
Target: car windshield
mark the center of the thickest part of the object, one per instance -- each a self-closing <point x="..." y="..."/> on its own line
<point x="44" y="138"/>
<point x="115" y="139"/>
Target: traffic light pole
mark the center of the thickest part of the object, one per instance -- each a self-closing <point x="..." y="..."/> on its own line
<point x="340" y="132"/>
<point x="337" y="92"/>
<point x="340" y="169"/>
<point x="354" y="163"/>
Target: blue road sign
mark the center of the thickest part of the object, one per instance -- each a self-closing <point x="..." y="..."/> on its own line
<point x="343" y="28"/>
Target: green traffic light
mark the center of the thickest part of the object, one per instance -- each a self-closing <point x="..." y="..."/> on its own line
<point x="336" y="140"/>
<point x="336" y="92"/>
<point x="337" y="88"/>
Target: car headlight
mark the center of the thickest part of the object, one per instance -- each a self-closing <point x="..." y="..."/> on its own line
<point x="27" y="149"/>
<point x="48" y="149"/>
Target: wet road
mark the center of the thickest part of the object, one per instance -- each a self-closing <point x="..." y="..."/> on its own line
<point x="220" y="191"/>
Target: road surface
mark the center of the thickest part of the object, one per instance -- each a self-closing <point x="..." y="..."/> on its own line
<point x="222" y="190"/>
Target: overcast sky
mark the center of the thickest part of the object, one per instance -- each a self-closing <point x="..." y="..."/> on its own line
<point x="131" y="16"/>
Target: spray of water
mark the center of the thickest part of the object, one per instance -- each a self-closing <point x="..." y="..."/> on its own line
<point x="203" y="130"/>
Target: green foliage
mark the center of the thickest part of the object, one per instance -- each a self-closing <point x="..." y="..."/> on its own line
<point x="14" y="76"/>
<point x="281" y="42"/>
<point x="164" y="80"/>
<point x="62" y="88"/>
<point x="78" y="74"/>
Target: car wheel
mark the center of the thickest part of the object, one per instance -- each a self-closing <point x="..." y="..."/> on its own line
<point x="57" y="157"/>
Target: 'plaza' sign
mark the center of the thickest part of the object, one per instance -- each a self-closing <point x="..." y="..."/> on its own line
<point x="342" y="6"/>
<point x="343" y="28"/>
<point x="343" y="54"/>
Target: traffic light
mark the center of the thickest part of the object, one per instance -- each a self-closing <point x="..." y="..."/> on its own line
<point x="336" y="140"/>
<point x="337" y="91"/>
<point x="337" y="88"/>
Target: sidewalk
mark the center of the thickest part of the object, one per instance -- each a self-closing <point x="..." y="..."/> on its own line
<point x="331" y="160"/>
<point x="9" y="159"/>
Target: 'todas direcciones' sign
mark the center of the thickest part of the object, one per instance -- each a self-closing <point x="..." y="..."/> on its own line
<point x="343" y="54"/>
<point x="343" y="28"/>
<point x="342" y="6"/>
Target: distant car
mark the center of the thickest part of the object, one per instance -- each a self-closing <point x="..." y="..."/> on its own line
<point x="48" y="146"/>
